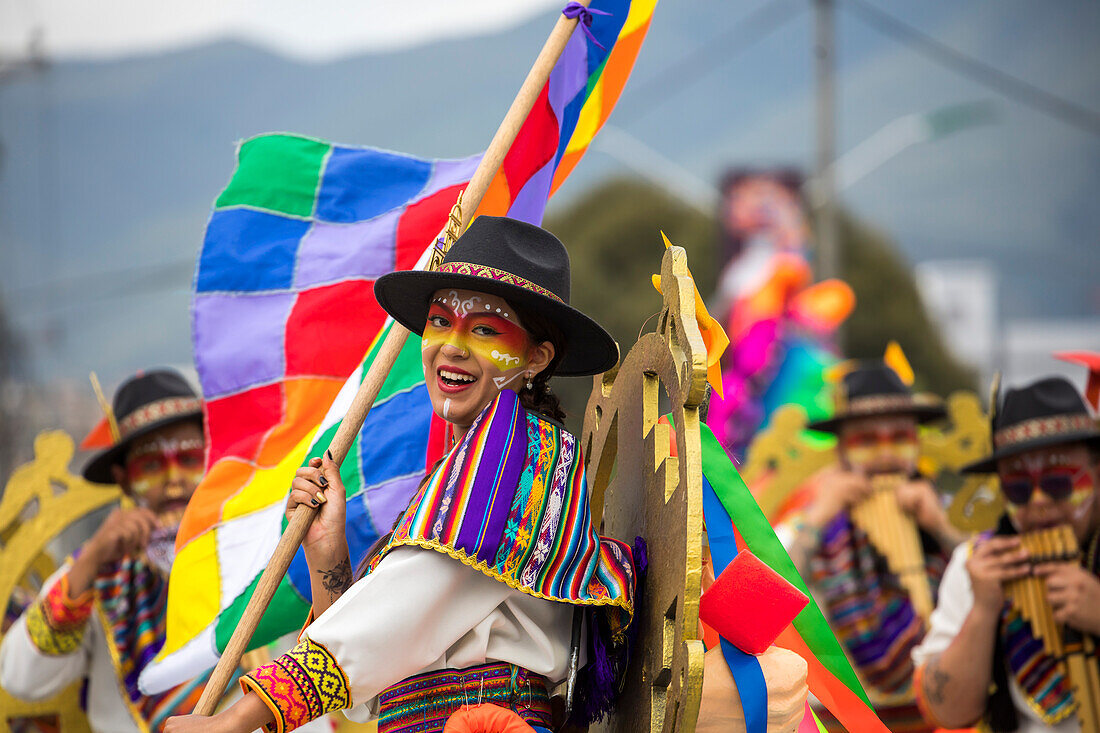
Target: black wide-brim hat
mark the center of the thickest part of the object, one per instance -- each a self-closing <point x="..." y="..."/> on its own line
<point x="876" y="390"/>
<point x="144" y="403"/>
<point x="520" y="262"/>
<point x="1045" y="413"/>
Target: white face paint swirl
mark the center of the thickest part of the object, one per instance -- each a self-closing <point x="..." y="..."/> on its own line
<point x="505" y="359"/>
<point x="461" y="307"/>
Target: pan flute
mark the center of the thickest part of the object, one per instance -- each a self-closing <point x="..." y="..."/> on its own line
<point x="894" y="534"/>
<point x="1074" y="652"/>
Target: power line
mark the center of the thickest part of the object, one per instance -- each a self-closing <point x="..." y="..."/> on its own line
<point x="684" y="72"/>
<point x="1010" y="86"/>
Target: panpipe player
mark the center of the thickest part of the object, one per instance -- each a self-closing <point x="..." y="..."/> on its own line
<point x="873" y="539"/>
<point x="1013" y="640"/>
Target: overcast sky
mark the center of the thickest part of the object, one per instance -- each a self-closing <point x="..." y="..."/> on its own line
<point x="316" y="30"/>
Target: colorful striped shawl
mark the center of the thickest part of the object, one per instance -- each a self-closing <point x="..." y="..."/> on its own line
<point x="130" y="600"/>
<point x="1037" y="674"/>
<point x="512" y="501"/>
<point x="869" y="610"/>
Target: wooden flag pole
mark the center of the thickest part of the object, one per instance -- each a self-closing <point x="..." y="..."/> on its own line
<point x="352" y="423"/>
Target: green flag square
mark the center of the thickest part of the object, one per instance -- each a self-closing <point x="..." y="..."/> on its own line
<point x="277" y="173"/>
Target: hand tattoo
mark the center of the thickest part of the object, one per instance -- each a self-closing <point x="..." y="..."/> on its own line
<point x="935" y="682"/>
<point x="337" y="580"/>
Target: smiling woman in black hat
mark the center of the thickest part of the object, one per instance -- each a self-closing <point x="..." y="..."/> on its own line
<point x="120" y="573"/>
<point x="1046" y="452"/>
<point x="472" y="597"/>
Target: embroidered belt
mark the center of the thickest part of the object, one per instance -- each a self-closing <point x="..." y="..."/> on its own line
<point x="423" y="703"/>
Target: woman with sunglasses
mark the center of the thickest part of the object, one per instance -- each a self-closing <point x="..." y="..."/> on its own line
<point x="1046" y="454"/>
<point x="869" y="609"/>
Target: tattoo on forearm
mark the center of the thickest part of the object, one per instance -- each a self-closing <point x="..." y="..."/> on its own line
<point x="337" y="579"/>
<point x="935" y="682"/>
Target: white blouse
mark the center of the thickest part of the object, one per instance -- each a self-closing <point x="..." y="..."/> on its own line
<point x="956" y="598"/>
<point x="420" y="611"/>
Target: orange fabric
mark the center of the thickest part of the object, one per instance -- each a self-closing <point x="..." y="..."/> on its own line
<point x="99" y="437"/>
<point x="841" y="702"/>
<point x="486" y="718"/>
<point x="229" y="475"/>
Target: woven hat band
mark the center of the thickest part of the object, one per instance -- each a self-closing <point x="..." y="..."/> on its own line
<point x="1042" y="427"/>
<point x="491" y="273"/>
<point x="156" y="411"/>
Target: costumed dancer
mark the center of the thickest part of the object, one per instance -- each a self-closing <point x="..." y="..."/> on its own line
<point x="1013" y="640"/>
<point x="471" y="598"/>
<point x="120" y="573"/>
<point x="874" y="539"/>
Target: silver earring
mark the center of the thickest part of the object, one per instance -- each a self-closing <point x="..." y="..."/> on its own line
<point x="530" y="384"/>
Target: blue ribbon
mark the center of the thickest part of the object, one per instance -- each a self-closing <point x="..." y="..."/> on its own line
<point x="750" y="686"/>
<point x="584" y="16"/>
<point x="744" y="667"/>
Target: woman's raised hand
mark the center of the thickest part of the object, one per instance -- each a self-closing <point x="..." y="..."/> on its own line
<point x="319" y="485"/>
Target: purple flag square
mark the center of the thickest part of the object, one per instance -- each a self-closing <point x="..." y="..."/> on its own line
<point x="338" y="252"/>
<point x="446" y="173"/>
<point x="239" y="340"/>
<point x="387" y="501"/>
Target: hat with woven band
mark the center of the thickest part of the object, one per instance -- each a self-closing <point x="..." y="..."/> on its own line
<point x="1044" y="413"/>
<point x="876" y="390"/>
<point x="144" y="403"/>
<point x="520" y="262"/>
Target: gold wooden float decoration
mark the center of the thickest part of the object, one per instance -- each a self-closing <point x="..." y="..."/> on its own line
<point x="641" y="489"/>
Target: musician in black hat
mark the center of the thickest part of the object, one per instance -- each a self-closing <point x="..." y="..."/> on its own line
<point x="122" y="571"/>
<point x="981" y="659"/>
<point x="869" y="607"/>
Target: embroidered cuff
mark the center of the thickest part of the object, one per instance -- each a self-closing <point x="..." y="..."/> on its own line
<point x="300" y="686"/>
<point x="56" y="622"/>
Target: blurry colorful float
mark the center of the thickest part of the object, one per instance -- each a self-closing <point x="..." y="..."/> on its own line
<point x="780" y="323"/>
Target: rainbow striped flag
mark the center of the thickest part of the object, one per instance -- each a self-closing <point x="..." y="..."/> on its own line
<point x="831" y="677"/>
<point x="285" y="327"/>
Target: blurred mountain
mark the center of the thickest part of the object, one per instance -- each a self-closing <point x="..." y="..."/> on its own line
<point x="108" y="169"/>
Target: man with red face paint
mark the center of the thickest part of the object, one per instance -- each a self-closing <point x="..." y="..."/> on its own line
<point x="121" y="572"/>
<point x="981" y="660"/>
<point x="868" y="607"/>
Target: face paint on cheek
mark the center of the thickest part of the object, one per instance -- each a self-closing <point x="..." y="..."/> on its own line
<point x="1083" y="496"/>
<point x="506" y="350"/>
<point x="447" y="408"/>
<point x="1082" y="504"/>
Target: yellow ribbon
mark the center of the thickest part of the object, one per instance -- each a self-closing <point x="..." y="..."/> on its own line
<point x="714" y="336"/>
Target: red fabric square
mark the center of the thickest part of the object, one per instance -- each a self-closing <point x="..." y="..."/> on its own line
<point x="237" y="423"/>
<point x="421" y="223"/>
<point x="535" y="145"/>
<point x="346" y="311"/>
<point x="750" y="604"/>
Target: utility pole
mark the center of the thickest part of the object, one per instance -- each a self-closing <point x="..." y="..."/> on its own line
<point x="823" y="192"/>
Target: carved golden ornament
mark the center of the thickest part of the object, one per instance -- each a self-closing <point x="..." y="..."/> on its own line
<point x="783" y="457"/>
<point x="640" y="489"/>
<point x="40" y="500"/>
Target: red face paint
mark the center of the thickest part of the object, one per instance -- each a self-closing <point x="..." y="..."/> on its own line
<point x="881" y="448"/>
<point x="158" y="464"/>
<point x="486" y="331"/>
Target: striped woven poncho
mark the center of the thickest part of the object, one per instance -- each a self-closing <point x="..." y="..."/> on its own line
<point x="512" y="501"/>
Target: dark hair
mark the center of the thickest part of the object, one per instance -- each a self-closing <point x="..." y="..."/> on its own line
<point x="540" y="398"/>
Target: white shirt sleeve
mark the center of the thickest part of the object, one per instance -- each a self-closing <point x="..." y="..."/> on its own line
<point x="29" y="674"/>
<point x="420" y="610"/>
<point x="956" y="598"/>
